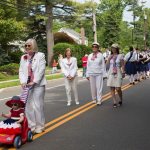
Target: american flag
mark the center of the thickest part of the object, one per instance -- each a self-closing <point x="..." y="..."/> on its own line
<point x="24" y="94"/>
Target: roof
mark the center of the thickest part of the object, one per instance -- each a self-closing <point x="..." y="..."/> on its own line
<point x="67" y="30"/>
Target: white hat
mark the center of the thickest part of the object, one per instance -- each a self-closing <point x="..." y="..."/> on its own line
<point x="115" y="45"/>
<point x="95" y="43"/>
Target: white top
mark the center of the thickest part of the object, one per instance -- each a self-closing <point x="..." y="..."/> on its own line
<point x="106" y="54"/>
<point x="96" y="66"/>
<point x="133" y="58"/>
<point x="38" y="68"/>
<point x="118" y="61"/>
<point x="69" y="67"/>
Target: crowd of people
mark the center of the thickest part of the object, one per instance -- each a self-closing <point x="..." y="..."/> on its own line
<point x="97" y="66"/>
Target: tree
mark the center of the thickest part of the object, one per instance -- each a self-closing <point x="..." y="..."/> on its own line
<point x="10" y="29"/>
<point x="49" y="10"/>
<point x="111" y="12"/>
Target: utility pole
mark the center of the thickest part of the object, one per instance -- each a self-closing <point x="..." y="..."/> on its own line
<point x="94" y="23"/>
<point x="94" y="26"/>
<point x="133" y="30"/>
<point x="145" y="26"/>
<point x="145" y="18"/>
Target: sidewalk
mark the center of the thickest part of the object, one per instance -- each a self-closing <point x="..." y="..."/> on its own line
<point x="9" y="91"/>
<point x="15" y="80"/>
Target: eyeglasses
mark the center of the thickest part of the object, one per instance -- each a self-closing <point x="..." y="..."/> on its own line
<point x="14" y="104"/>
<point x="27" y="45"/>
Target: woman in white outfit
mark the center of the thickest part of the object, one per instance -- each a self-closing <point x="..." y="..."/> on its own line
<point x="96" y="71"/>
<point x="69" y="69"/>
<point x="32" y="74"/>
<point x="116" y="73"/>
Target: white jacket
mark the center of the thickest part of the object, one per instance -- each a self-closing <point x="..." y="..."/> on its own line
<point x="97" y="66"/>
<point x="38" y="68"/>
<point x="69" y="68"/>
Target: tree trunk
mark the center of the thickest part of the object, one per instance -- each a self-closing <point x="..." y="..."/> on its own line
<point x="49" y="33"/>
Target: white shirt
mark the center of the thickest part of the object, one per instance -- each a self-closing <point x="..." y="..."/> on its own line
<point x="106" y="54"/>
<point x="69" y="67"/>
<point x="38" y="68"/>
<point x="133" y="58"/>
<point x="96" y="66"/>
<point x="118" y="61"/>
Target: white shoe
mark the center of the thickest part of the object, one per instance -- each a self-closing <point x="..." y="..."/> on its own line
<point x="69" y="103"/>
<point x="77" y="103"/>
<point x="94" y="101"/>
<point x="38" y="131"/>
<point x="33" y="130"/>
<point x="99" y="103"/>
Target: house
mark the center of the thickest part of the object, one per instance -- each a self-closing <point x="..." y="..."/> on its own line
<point x="75" y="35"/>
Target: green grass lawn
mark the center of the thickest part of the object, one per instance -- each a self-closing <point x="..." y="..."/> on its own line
<point x="16" y="83"/>
<point x="13" y="77"/>
<point x="8" y="77"/>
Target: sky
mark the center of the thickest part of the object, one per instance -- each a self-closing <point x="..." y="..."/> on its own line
<point x="127" y="16"/>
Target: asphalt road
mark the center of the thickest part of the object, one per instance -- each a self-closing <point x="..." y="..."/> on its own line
<point x="91" y="127"/>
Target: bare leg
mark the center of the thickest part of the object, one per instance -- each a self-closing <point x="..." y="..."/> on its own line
<point x="119" y="91"/>
<point x="113" y="94"/>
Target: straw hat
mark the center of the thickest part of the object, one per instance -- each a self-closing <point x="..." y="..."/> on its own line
<point x="115" y="45"/>
<point x="95" y="43"/>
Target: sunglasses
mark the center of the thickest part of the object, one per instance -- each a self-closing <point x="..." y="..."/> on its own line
<point x="94" y="47"/>
<point x="27" y="45"/>
<point x="14" y="104"/>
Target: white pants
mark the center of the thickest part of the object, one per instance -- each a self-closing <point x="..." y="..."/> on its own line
<point x="71" y="85"/>
<point x="35" y="108"/>
<point x="96" y="82"/>
<point x="54" y="69"/>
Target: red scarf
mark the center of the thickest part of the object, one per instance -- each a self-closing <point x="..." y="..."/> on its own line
<point x="94" y="56"/>
<point x="30" y="72"/>
<point x="114" y="64"/>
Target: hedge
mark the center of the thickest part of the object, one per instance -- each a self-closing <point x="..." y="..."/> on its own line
<point x="78" y="51"/>
<point x="10" y="69"/>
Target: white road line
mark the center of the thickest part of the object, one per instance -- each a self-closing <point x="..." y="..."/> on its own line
<point x="46" y="89"/>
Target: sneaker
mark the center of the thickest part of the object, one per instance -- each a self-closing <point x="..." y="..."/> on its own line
<point x="77" y="103"/>
<point x="69" y="103"/>
<point x="99" y="103"/>
<point x="33" y="130"/>
<point x="94" y="101"/>
<point x="38" y="131"/>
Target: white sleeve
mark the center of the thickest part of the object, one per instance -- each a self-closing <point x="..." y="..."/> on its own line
<point x="22" y="76"/>
<point x="87" y="68"/>
<point x="41" y="72"/>
<point x="126" y="57"/>
<point x="64" y="70"/>
<point x="104" y="67"/>
<point x="121" y="57"/>
<point x="75" y="68"/>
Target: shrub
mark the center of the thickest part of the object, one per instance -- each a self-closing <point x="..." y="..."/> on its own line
<point x="11" y="69"/>
<point x="78" y="51"/>
<point x="4" y="58"/>
<point x="3" y="75"/>
<point x="15" y="56"/>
